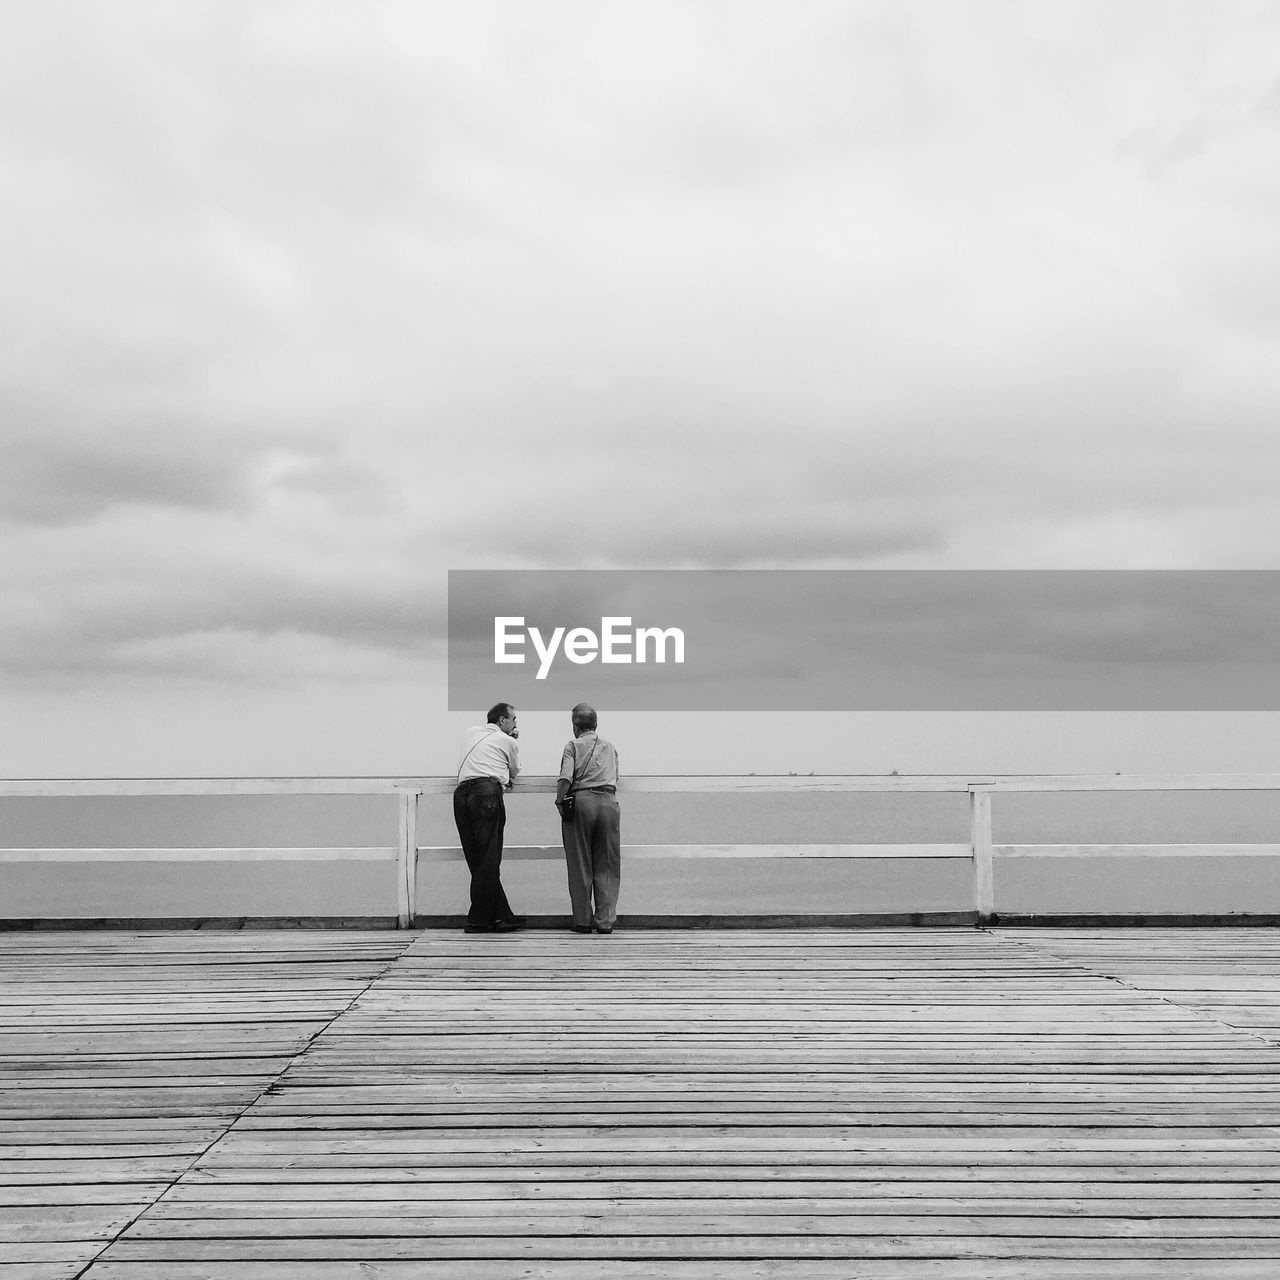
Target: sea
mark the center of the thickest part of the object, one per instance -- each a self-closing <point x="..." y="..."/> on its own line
<point x="1198" y="881"/>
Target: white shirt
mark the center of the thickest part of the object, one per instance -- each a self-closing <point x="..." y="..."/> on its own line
<point x="487" y="752"/>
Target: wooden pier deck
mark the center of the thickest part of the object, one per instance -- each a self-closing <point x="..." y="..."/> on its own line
<point x="899" y="1105"/>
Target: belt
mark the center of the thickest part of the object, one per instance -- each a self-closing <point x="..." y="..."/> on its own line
<point x="605" y="787"/>
<point x="469" y="783"/>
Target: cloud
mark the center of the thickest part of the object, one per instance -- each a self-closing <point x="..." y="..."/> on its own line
<point x="307" y="303"/>
<point x="55" y="476"/>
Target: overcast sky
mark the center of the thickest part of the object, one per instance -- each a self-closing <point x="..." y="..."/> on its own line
<point x="306" y="303"/>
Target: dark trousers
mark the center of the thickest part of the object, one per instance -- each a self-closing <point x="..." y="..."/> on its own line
<point x="481" y="816"/>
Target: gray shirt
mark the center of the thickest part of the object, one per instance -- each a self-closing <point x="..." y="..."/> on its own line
<point x="590" y="761"/>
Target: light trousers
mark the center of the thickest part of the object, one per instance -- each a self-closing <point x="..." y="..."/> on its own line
<point x="593" y="855"/>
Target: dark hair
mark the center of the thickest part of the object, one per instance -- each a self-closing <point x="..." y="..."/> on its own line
<point x="583" y="717"/>
<point x="499" y="711"/>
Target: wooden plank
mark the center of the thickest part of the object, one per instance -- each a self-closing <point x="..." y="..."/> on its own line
<point x="407" y="860"/>
<point x="386" y="1231"/>
<point x="404" y="854"/>
<point x="378" y="853"/>
<point x="527" y="783"/>
<point x="905" y="1212"/>
<point x="1137" y="782"/>
<point x="662" y="1248"/>
<point x="371" y="854"/>
<point x="555" y="853"/>
<point x="278" y="786"/>
<point x="677" y="1269"/>
<point x="980" y="851"/>
<point x="69" y="1269"/>
<point x="1137" y="850"/>
<point x="673" y="1269"/>
<point x="198" y="1196"/>
<point x="761" y="784"/>
<point x="61" y="1222"/>
<point x="59" y="1257"/>
<point x="65" y="1192"/>
<point x="543" y="784"/>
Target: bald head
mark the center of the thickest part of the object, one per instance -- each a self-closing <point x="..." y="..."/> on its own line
<point x="584" y="718"/>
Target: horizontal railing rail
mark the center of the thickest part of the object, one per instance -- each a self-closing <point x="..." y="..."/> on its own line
<point x="440" y="785"/>
<point x="406" y="852"/>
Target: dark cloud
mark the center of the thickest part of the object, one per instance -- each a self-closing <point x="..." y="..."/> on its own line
<point x="70" y="476"/>
<point x="760" y="533"/>
<point x="168" y="622"/>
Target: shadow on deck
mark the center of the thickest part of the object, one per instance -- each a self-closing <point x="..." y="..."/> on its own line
<point x="949" y="1104"/>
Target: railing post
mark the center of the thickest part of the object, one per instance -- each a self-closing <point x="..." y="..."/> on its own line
<point x="406" y="858"/>
<point x="411" y="855"/>
<point x="984" y="893"/>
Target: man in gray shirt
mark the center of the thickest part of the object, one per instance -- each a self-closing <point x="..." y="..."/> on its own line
<point x="592" y="834"/>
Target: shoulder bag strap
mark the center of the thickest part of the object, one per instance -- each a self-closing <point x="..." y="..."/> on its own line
<point x="474" y="745"/>
<point x="587" y="761"/>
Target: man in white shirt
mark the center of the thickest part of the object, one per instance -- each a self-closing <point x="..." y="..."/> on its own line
<point x="489" y="763"/>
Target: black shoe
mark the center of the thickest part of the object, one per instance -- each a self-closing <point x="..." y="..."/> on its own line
<point x="608" y="930"/>
<point x="580" y="928"/>
<point x="520" y="922"/>
<point x="495" y="926"/>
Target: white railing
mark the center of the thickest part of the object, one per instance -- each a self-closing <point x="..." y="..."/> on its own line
<point x="406" y="852"/>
